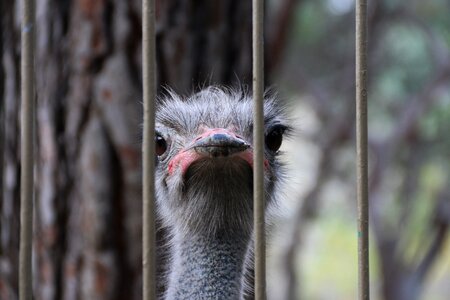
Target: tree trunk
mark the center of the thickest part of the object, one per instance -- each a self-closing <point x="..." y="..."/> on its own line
<point x="87" y="234"/>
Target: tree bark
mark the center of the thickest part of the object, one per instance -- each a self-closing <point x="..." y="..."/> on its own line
<point x="87" y="233"/>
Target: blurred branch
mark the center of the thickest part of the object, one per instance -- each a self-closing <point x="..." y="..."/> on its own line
<point x="412" y="166"/>
<point x="417" y="107"/>
<point x="406" y="127"/>
<point x="441" y="226"/>
<point x="340" y="129"/>
<point x="306" y="211"/>
<point x="277" y="41"/>
<point x="406" y="130"/>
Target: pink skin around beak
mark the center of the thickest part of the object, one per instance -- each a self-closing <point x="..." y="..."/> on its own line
<point x="212" y="143"/>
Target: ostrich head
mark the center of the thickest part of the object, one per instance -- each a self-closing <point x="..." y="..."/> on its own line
<point x="204" y="187"/>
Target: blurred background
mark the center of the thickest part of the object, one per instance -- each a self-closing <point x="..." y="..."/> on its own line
<point x="88" y="174"/>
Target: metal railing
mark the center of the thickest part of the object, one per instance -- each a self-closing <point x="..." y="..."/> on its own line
<point x="148" y="149"/>
<point x="27" y="148"/>
<point x="258" y="144"/>
<point x="361" y="149"/>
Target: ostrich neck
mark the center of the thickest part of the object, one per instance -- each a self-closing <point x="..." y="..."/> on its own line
<point x="206" y="267"/>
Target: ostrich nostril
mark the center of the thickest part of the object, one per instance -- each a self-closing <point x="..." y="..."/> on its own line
<point x="220" y="137"/>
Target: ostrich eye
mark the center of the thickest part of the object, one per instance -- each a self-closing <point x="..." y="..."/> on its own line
<point x="160" y="145"/>
<point x="275" y="137"/>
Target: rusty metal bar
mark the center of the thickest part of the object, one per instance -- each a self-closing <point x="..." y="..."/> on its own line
<point x="27" y="148"/>
<point x="258" y="140"/>
<point x="148" y="149"/>
<point x="361" y="150"/>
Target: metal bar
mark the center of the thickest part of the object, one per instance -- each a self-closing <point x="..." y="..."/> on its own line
<point x="258" y="140"/>
<point x="148" y="149"/>
<point x="361" y="149"/>
<point x="2" y="116"/>
<point x="27" y="149"/>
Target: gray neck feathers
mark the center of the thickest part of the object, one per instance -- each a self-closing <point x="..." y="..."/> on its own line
<point x="207" y="267"/>
<point x="210" y="223"/>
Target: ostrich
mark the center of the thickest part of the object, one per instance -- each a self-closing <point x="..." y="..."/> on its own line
<point x="204" y="187"/>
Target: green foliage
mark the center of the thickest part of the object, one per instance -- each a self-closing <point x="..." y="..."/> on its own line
<point x="436" y="124"/>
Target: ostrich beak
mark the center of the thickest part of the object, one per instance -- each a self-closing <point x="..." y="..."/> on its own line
<point x="217" y="142"/>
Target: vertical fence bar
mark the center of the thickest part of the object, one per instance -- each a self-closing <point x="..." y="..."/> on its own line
<point x="148" y="149"/>
<point x="2" y="115"/>
<point x="258" y="140"/>
<point x="27" y="149"/>
<point x="361" y="149"/>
